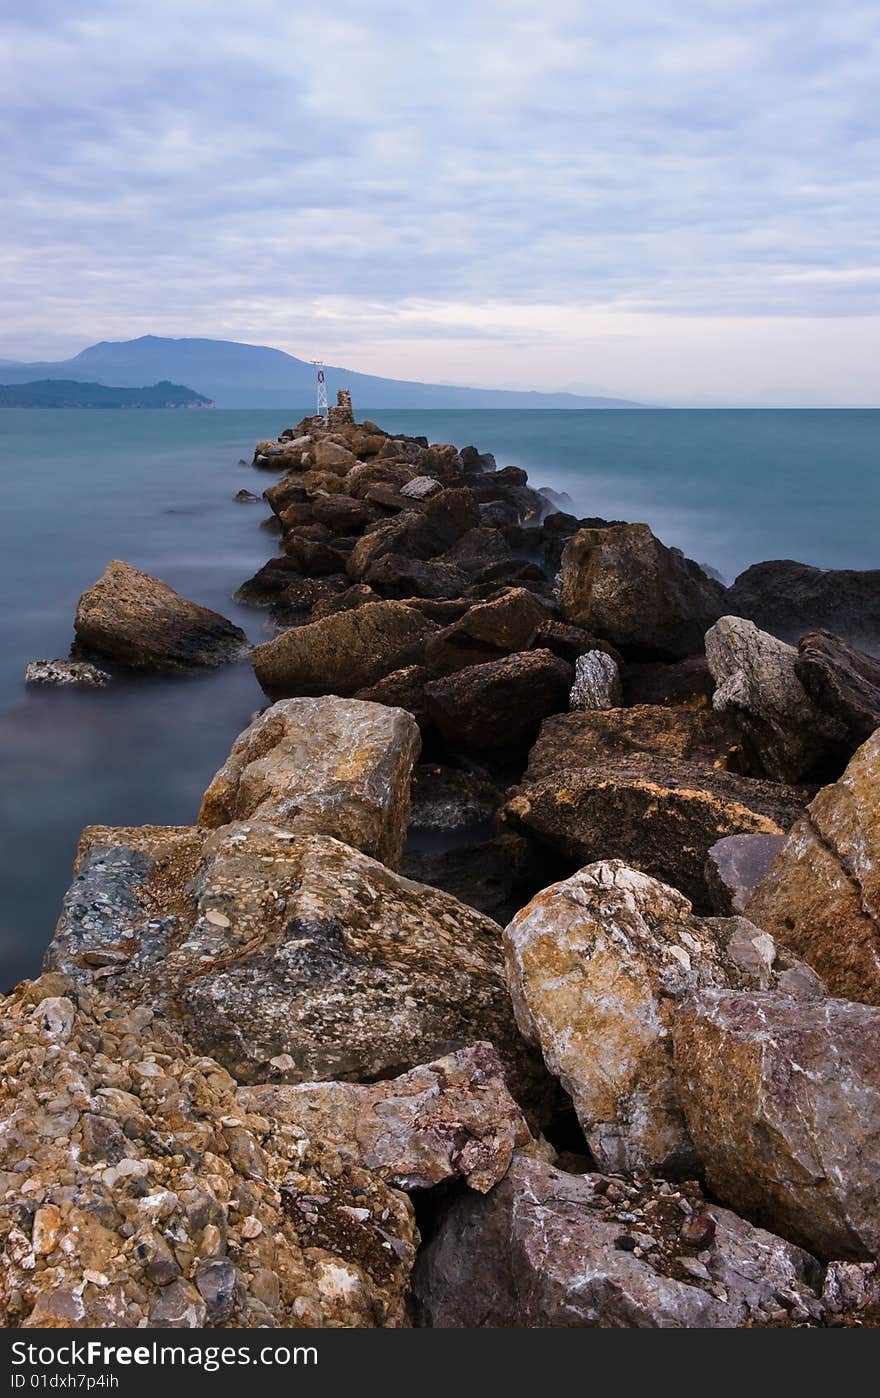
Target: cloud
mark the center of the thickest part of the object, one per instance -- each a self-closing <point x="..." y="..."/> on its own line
<point x="357" y="177"/>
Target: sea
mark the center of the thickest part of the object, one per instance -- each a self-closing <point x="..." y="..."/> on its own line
<point x="156" y="488"/>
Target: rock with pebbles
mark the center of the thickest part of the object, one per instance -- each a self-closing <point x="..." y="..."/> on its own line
<point x="547" y="1249"/>
<point x="66" y="672"/>
<point x="142" y="623"/>
<point x="139" y="1192"/>
<point x="821" y="896"/>
<point x="757" y="683"/>
<point x="622" y="583"/>
<point x="597" y="966"/>
<point x="453" y="1118"/>
<point x="325" y="766"/>
<point x="782" y="1099"/>
<point x="596" y="682"/>
<point x="342" y="653"/>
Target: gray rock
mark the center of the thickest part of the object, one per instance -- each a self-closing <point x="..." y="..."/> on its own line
<point x="65" y="672"/>
<point x="548" y="1249"/>
<point x="841" y="681"/>
<point x="735" y="865"/>
<point x="420" y="488"/>
<point x="596" y="682"/>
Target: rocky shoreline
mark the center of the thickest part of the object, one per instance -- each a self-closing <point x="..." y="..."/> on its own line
<point x="522" y="967"/>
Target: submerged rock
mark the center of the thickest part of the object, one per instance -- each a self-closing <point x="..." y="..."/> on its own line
<point x="549" y="1249"/>
<point x="452" y="1118"/>
<point x="139" y="1192"/>
<point x="597" y="966"/>
<point x="143" y="623"/>
<point x="821" y="896"/>
<point x="324" y="766"/>
<point x="66" y="672"/>
<point x="782" y="1099"/>
<point x="622" y="583"/>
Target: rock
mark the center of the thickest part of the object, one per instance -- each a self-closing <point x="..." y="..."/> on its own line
<point x="684" y="682"/>
<point x="570" y="642"/>
<point x="782" y="1099"/>
<point x="446" y="798"/>
<point x="596" y="682"/>
<point x="597" y="966"/>
<point x="841" y="681"/>
<point x="395" y="576"/>
<point x="548" y="1249"/>
<point x="758" y="685"/>
<point x="141" y="622"/>
<point x="596" y="737"/>
<point x="342" y="514"/>
<point x="65" y="672"/>
<point x="330" y="456"/>
<point x="443" y="1120"/>
<point x="313" y="557"/>
<point x="624" y="584"/>
<point x="174" y="1234"/>
<point x="486" y="632"/>
<point x="420" y="487"/>
<point x="342" y="653"/>
<point x="821" y="897"/>
<point x="788" y="598"/>
<point x="478" y="550"/>
<point x="322" y="766"/>
<point x="402" y="689"/>
<point x="498" y="705"/>
<point x="735" y="865"/>
<point x="246" y="497"/>
<point x="285" y="957"/>
<point x="495" y="876"/>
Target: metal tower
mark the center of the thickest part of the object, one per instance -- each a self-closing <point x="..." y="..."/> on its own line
<point x="323" y="409"/>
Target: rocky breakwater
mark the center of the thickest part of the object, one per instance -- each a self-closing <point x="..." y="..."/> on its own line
<point x="595" y="1064"/>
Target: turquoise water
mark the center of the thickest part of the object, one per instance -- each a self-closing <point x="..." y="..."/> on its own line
<point x="156" y="488"/>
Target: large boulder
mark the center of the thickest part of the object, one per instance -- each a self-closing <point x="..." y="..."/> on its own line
<point x="842" y="682"/>
<point x="622" y="583"/>
<point x="445" y="1120"/>
<point x="325" y="766"/>
<point x="821" y="896"/>
<point x="596" y="737"/>
<point x="757" y="684"/>
<point x="659" y="814"/>
<point x="139" y="621"/>
<point x="499" y="704"/>
<point x="782" y="1099"/>
<point x="549" y="1249"/>
<point x="788" y="598"/>
<point x="140" y="1192"/>
<point x="342" y="653"/>
<point x="597" y="966"/>
<point x="487" y="631"/>
<point x="288" y="958"/>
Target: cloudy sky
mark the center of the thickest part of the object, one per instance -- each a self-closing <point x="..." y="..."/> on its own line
<point x="675" y="200"/>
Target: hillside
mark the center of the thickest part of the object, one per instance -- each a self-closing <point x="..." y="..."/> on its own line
<point x="68" y="393"/>
<point x="235" y="375"/>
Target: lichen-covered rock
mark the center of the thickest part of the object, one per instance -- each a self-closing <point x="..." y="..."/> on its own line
<point x="622" y="583"/>
<point x="288" y="958"/>
<point x="324" y="766"/>
<point x="842" y="682"/>
<point x="453" y="1118"/>
<point x="342" y="653"/>
<point x="782" y="1099"/>
<point x="65" y="672"/>
<point x="499" y="704"/>
<point x="757" y="683"/>
<point x="136" y="1190"/>
<point x="596" y="682"/>
<point x="735" y="865"/>
<point x="549" y="1249"/>
<point x="821" y="896"/>
<point x="597" y="966"/>
<point x="143" y="623"/>
<point x="658" y="814"/>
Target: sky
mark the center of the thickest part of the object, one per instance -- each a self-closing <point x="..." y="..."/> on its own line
<point x="674" y="202"/>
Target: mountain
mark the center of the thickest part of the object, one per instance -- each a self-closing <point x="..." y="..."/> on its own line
<point x="254" y="376"/>
<point x="67" y="393"/>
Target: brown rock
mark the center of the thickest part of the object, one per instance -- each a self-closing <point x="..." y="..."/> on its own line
<point x="330" y="456"/>
<point x="782" y="1098"/>
<point x="143" y="623"/>
<point x="452" y="1118"/>
<point x="394" y="575"/>
<point x="822" y="894"/>
<point x="788" y="599"/>
<point x="402" y="689"/>
<point x="488" y="631"/>
<point x="596" y="738"/>
<point x="322" y="766"/>
<point x="684" y="682"/>
<point x="498" y="705"/>
<point x="342" y="653"/>
<point x="842" y="682"/>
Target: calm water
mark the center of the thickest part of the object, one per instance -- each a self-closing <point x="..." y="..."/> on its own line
<point x="156" y="488"/>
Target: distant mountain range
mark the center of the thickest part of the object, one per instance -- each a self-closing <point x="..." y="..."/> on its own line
<point x="67" y="393"/>
<point x="233" y="375"/>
